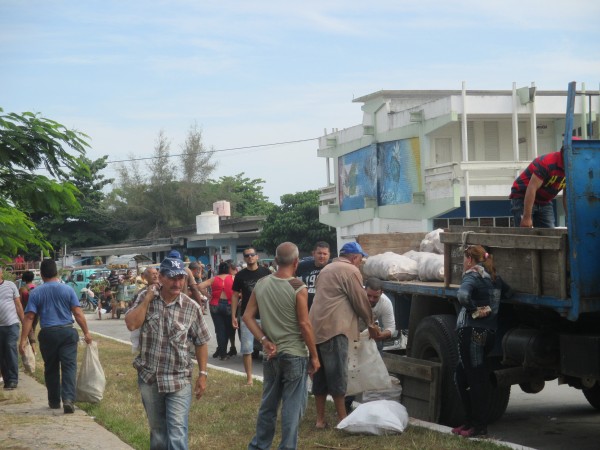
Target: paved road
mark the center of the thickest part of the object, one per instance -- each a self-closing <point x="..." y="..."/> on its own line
<point x="116" y="328"/>
<point x="557" y="418"/>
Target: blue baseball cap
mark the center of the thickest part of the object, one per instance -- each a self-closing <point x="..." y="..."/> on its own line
<point x="352" y="248"/>
<point x="174" y="254"/>
<point x="172" y="267"/>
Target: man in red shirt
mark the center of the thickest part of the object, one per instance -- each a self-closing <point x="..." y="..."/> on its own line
<point x="535" y="188"/>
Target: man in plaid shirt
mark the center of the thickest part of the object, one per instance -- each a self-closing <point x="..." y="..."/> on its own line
<point x="166" y="318"/>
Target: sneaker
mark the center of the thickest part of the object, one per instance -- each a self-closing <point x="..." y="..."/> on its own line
<point x="54" y="405"/>
<point x="473" y="432"/>
<point x="216" y="354"/>
<point x="232" y="351"/>
<point x="68" y="407"/>
<point x="10" y="386"/>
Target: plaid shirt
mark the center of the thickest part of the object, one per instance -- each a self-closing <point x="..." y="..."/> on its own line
<point x="165" y="338"/>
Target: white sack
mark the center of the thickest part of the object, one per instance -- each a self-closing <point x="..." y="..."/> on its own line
<point x="431" y="242"/>
<point x="366" y="369"/>
<point x="391" y="266"/>
<point x="431" y="267"/>
<point x="379" y="418"/>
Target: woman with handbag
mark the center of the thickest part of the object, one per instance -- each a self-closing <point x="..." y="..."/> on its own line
<point x="479" y="297"/>
<point x="220" y="306"/>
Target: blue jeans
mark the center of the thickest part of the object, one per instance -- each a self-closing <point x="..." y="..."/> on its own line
<point x="285" y="382"/>
<point x="59" y="351"/>
<point x="221" y="316"/>
<point x="167" y="414"/>
<point x="246" y="339"/>
<point x="541" y="216"/>
<point x="9" y="358"/>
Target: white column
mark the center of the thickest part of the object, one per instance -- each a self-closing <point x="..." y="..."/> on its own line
<point x="534" y="125"/>
<point x="465" y="149"/>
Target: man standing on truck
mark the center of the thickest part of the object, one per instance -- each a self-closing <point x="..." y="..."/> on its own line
<point x="534" y="189"/>
<point x="339" y="302"/>
<point x="309" y="270"/>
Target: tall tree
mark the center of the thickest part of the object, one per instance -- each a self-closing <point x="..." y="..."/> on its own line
<point x="29" y="142"/>
<point x="297" y="221"/>
<point x="197" y="166"/>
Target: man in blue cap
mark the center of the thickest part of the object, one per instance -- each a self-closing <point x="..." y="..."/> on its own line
<point x="169" y="322"/>
<point x="339" y="302"/>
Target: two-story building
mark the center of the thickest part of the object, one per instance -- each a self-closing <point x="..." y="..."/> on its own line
<point x="426" y="159"/>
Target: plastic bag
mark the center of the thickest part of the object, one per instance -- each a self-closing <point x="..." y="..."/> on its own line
<point x="366" y="369"/>
<point x="29" y="359"/>
<point x="134" y="337"/>
<point x="379" y="417"/>
<point x="90" y="379"/>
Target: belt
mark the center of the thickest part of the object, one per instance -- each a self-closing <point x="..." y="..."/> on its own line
<point x="70" y="325"/>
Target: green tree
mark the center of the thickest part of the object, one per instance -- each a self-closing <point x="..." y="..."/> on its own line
<point x="28" y="143"/>
<point x="92" y="225"/>
<point x="297" y="221"/>
<point x="245" y="195"/>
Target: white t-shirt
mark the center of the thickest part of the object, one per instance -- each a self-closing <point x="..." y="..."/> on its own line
<point x="8" y="311"/>
<point x="383" y="312"/>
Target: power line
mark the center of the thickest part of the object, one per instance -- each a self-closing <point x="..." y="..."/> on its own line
<point x="247" y="147"/>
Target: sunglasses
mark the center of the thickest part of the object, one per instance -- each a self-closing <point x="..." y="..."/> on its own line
<point x="249" y="255"/>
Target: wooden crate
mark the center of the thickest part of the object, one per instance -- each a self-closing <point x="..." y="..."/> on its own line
<point x="532" y="261"/>
<point x="375" y="244"/>
<point x="421" y="385"/>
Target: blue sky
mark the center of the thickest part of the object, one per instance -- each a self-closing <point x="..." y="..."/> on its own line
<point x="259" y="72"/>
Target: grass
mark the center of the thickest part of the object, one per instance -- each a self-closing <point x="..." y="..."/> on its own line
<point x="225" y="417"/>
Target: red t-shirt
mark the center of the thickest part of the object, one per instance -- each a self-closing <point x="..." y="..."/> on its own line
<point x="550" y="169"/>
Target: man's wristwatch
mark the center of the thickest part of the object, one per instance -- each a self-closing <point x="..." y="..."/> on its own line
<point x="204" y="372"/>
<point x="262" y="339"/>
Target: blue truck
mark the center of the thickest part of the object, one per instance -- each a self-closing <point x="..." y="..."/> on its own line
<point x="549" y="330"/>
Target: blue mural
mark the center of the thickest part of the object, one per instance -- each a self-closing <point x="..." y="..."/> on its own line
<point x="399" y="169"/>
<point x="357" y="172"/>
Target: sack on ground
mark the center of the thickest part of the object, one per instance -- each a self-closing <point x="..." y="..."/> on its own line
<point x="29" y="359"/>
<point x="379" y="418"/>
<point x="391" y="266"/>
<point x="366" y="369"/>
<point x="90" y="379"/>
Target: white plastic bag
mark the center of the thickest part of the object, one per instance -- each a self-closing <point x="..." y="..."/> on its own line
<point x="90" y="379"/>
<point x="29" y="359"/>
<point x="391" y="266"/>
<point x="366" y="369"/>
<point x="134" y="337"/>
<point x="379" y="417"/>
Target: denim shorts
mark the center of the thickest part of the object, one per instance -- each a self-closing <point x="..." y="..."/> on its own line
<point x="246" y="339"/>
<point x="332" y="377"/>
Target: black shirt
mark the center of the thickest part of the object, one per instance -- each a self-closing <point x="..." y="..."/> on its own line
<point x="308" y="272"/>
<point x="244" y="282"/>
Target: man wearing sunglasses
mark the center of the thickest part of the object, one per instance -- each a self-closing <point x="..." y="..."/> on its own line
<point x="243" y="285"/>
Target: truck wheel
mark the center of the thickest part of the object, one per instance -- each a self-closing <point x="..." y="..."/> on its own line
<point x="435" y="340"/>
<point x="593" y="395"/>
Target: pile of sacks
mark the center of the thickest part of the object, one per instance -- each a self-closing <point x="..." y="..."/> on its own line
<point x="426" y="264"/>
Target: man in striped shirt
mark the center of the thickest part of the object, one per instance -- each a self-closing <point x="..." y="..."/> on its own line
<point x="170" y="322"/>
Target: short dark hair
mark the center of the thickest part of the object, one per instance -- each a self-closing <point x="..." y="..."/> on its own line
<point x="48" y="268"/>
<point x="194" y="265"/>
<point x="374" y="283"/>
<point x="321" y="244"/>
<point x="27" y="276"/>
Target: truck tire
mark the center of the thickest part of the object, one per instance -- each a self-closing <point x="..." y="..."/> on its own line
<point x="592" y="395"/>
<point x="435" y="340"/>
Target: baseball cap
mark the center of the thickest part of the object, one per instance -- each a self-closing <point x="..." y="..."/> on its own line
<point x="174" y="254"/>
<point x="352" y="248"/>
<point x="172" y="267"/>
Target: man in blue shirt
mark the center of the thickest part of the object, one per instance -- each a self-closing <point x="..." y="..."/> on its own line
<point x="56" y="304"/>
